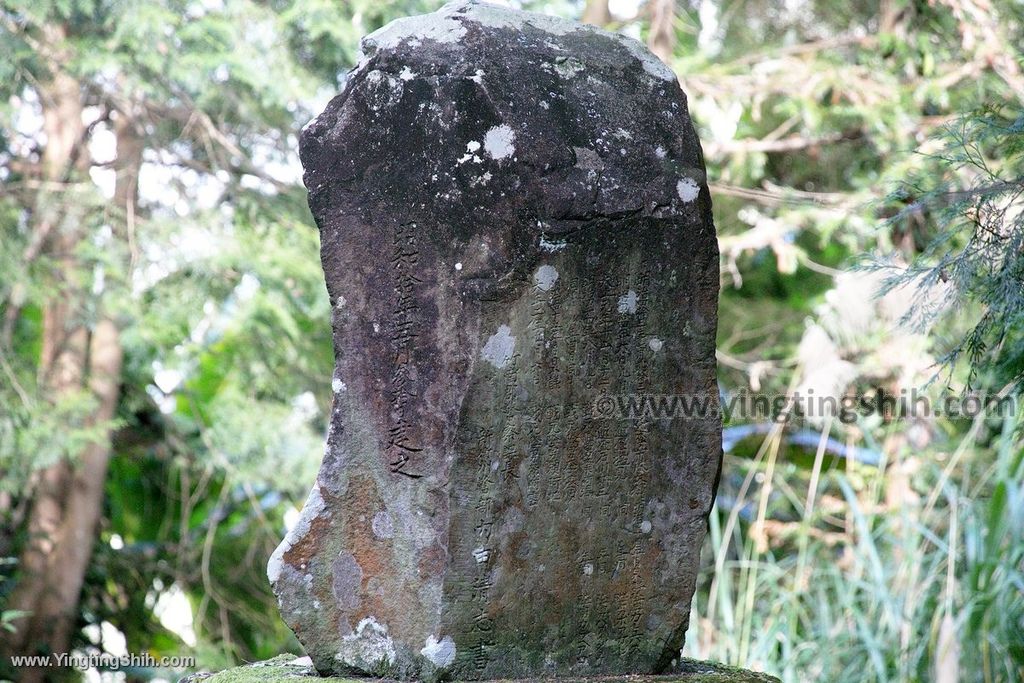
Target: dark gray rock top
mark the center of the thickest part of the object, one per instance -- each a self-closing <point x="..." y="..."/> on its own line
<point x="481" y="112"/>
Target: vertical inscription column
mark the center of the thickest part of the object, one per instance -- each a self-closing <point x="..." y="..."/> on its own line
<point x="400" y="450"/>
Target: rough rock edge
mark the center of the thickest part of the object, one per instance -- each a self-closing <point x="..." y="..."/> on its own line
<point x="284" y="668"/>
<point x="446" y="26"/>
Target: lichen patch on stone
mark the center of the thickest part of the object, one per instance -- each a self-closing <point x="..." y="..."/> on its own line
<point x="498" y="142"/>
<point x="348" y="577"/>
<point x="687" y="189"/>
<point x="552" y="245"/>
<point x="440" y="653"/>
<point x="498" y="349"/>
<point x="545" y="278"/>
<point x="368" y="648"/>
<point x="441" y="27"/>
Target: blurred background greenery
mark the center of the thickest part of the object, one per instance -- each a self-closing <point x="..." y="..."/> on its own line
<point x="165" y="346"/>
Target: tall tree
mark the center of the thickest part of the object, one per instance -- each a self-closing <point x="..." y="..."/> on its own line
<point x="661" y="36"/>
<point x="596" y="12"/>
<point x="75" y="357"/>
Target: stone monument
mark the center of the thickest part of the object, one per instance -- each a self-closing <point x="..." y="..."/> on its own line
<point x="517" y="240"/>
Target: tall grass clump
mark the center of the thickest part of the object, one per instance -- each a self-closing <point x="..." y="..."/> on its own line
<point x="912" y="570"/>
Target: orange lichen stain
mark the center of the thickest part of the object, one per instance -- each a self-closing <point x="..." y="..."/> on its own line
<point x="376" y="560"/>
<point x="309" y="545"/>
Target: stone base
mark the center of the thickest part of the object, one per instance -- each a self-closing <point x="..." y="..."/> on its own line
<point x="291" y="669"/>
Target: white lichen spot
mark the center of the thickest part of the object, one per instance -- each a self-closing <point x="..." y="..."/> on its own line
<point x="376" y="328"/>
<point x="628" y="302"/>
<point x="382" y="525"/>
<point x="588" y="569"/>
<point x="547" y="245"/>
<point x="498" y="142"/>
<point x="440" y="653"/>
<point x="472" y="146"/>
<point x="655" y="344"/>
<point x="645" y="527"/>
<point x="340" y="302"/>
<point x="660" y="152"/>
<point x="623" y="134"/>
<point x="458" y="266"/>
<point x="498" y="349"/>
<point x="688" y="189"/>
<point x="545" y="278"/>
<point x="544" y="104"/>
<point x="369" y="647"/>
<point x="337" y="386"/>
<point x="481" y="555"/>
<point x="478" y="77"/>
<point x="407" y="74"/>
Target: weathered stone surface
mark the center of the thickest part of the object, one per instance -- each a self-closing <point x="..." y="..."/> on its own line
<point x="288" y="668"/>
<point x="514" y="223"/>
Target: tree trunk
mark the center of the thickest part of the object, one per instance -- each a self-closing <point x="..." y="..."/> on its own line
<point x="83" y="503"/>
<point x="597" y="13"/>
<point x="64" y="343"/>
<point x="67" y="504"/>
<point x="661" y="39"/>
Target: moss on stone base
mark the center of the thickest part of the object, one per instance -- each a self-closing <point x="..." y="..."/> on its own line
<point x="696" y="671"/>
<point x="281" y="668"/>
<point x="287" y="668"/>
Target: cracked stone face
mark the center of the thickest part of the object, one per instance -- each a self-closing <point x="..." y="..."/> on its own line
<point x="515" y="226"/>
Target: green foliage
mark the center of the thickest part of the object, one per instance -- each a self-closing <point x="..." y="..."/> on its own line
<point x="979" y="250"/>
